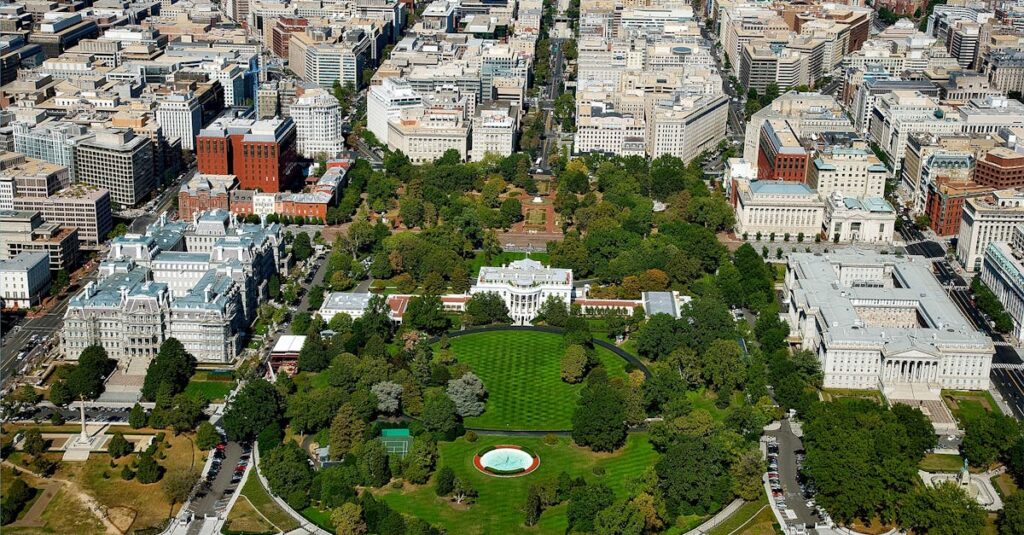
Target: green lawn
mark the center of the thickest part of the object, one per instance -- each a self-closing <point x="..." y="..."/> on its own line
<point x="522" y="373"/>
<point x="210" y="390"/>
<point x="968" y="404"/>
<point x="746" y="517"/>
<point x="938" y="462"/>
<point x="498" y="508"/>
<point x="261" y="500"/>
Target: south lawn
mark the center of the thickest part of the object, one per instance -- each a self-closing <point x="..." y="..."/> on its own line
<point x="522" y="373"/>
<point x="499" y="507"/>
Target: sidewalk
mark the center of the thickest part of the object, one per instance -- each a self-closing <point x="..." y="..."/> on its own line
<point x="722" y="516"/>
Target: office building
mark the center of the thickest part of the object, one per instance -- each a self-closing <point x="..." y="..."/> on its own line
<point x="776" y="209"/>
<point x="1003" y="272"/>
<point x="883" y="321"/>
<point x="181" y="117"/>
<point x="317" y="117"/>
<point x="986" y="219"/>
<point x="87" y="208"/>
<point x="120" y="162"/>
<point x="28" y="232"/>
<point x="24" y="280"/>
<point x="261" y="154"/>
<point x="853" y="171"/>
<point x="852" y="220"/>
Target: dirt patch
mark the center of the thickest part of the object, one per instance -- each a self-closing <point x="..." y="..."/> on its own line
<point x="122" y="517"/>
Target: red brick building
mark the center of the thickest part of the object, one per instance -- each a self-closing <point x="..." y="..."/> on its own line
<point x="281" y="34"/>
<point x="205" y="192"/>
<point x="262" y="154"/>
<point x="1000" y="168"/>
<point x="945" y="203"/>
<point x="781" y="156"/>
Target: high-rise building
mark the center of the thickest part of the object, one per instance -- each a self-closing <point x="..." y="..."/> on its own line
<point x="120" y="162"/>
<point x="494" y="132"/>
<point x="1000" y="168"/>
<point x="317" y="116"/>
<point x="84" y="207"/>
<point x="260" y="153"/>
<point x="387" y="101"/>
<point x="51" y="141"/>
<point x="852" y="171"/>
<point x="181" y="117"/>
<point x="781" y="155"/>
<point x="28" y="232"/>
<point x="24" y="280"/>
<point x="1002" y="271"/>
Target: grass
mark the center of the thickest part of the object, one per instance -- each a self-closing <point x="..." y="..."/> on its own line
<point x="752" y="518"/>
<point x="967" y="404"/>
<point x="831" y="394"/>
<point x="498" y="509"/>
<point x="244" y="518"/>
<point x="522" y="373"/>
<point x="702" y="399"/>
<point x="64" y="514"/>
<point x="135" y="504"/>
<point x="1005" y="485"/>
<point x="503" y="258"/>
<point x="209" y="390"/>
<point x="259" y="498"/>
<point x="938" y="462"/>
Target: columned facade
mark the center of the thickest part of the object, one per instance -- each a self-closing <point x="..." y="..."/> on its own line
<point x="910" y="371"/>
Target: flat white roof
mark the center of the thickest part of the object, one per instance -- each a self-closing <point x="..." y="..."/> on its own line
<point x="289" y="343"/>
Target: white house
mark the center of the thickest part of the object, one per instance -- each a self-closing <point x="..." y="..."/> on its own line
<point x="524" y="285"/>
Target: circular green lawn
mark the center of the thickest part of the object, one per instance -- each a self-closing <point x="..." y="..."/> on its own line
<point x="522" y="373"/>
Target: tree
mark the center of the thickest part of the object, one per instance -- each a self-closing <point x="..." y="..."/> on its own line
<point x="311" y="411"/>
<point x="444" y="483"/>
<point x="574" y="364"/>
<point x="274" y="286"/>
<point x="257" y="404"/>
<point x="60" y="282"/>
<point x="347" y="431"/>
<point x="119" y="446"/>
<point x="658" y="337"/>
<point x="942" y="509"/>
<point x="723" y="367"/>
<point x="148" y="471"/>
<point x="585" y="502"/>
<point x="986" y="437"/>
<point x="620" y="518"/>
<point x="389" y="396"/>
<point x="746" y="475"/>
<point x="33" y="442"/>
<point x="533" y="506"/>
<point x="173" y="366"/>
<point x="439" y="415"/>
<point x="419" y="462"/>
<point x="468" y="394"/>
<point x="554" y="311"/>
<point x="1011" y="518"/>
<point x="137" y="417"/>
<point x="86" y="380"/>
<point x="599" y="421"/>
<point x="301" y="247"/>
<point x="287" y="470"/>
<point x="693" y="476"/>
<point x="511" y="212"/>
<point x="178" y="484"/>
<point x="373" y="464"/>
<point x="426" y="313"/>
<point x="463" y="490"/>
<point x="206" y="436"/>
<point x="486" y="308"/>
<point x="348" y="520"/>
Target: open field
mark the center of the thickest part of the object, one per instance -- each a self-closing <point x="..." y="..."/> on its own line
<point x="522" y="373"/>
<point x="262" y="502"/>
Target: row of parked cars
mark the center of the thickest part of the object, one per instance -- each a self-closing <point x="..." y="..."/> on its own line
<point x="217" y="466"/>
<point x="778" y="495"/>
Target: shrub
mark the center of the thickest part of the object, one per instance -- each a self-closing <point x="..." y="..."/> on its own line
<point x="471" y="436"/>
<point x="127" y="474"/>
<point x="598" y="471"/>
<point x="551" y="439"/>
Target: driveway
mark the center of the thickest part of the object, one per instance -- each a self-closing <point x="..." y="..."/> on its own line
<point x="221" y="488"/>
<point x="789" y="446"/>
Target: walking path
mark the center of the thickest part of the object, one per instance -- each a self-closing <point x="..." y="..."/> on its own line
<point x="34" y="517"/>
<point x="718" y="518"/>
<point x="73" y="487"/>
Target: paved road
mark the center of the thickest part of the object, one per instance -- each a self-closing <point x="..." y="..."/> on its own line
<point x="789" y="446"/>
<point x="44" y="326"/>
<point x="318" y="278"/>
<point x="140" y="223"/>
<point x="221" y="488"/>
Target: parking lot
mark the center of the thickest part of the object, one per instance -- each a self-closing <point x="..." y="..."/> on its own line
<point x="791" y="494"/>
<point x="230" y="462"/>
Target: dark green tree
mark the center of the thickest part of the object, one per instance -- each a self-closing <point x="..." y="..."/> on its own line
<point x="373" y="464"/>
<point x="119" y="446"/>
<point x="693" y="476"/>
<point x="599" y="421"/>
<point x="257" y="405"/>
<point x="148" y="471"/>
<point x="426" y="313"/>
<point x="585" y="503"/>
<point x="944" y="508"/>
<point x="173" y="366"/>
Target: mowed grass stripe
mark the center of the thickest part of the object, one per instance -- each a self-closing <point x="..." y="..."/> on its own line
<point x="522" y="373"/>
